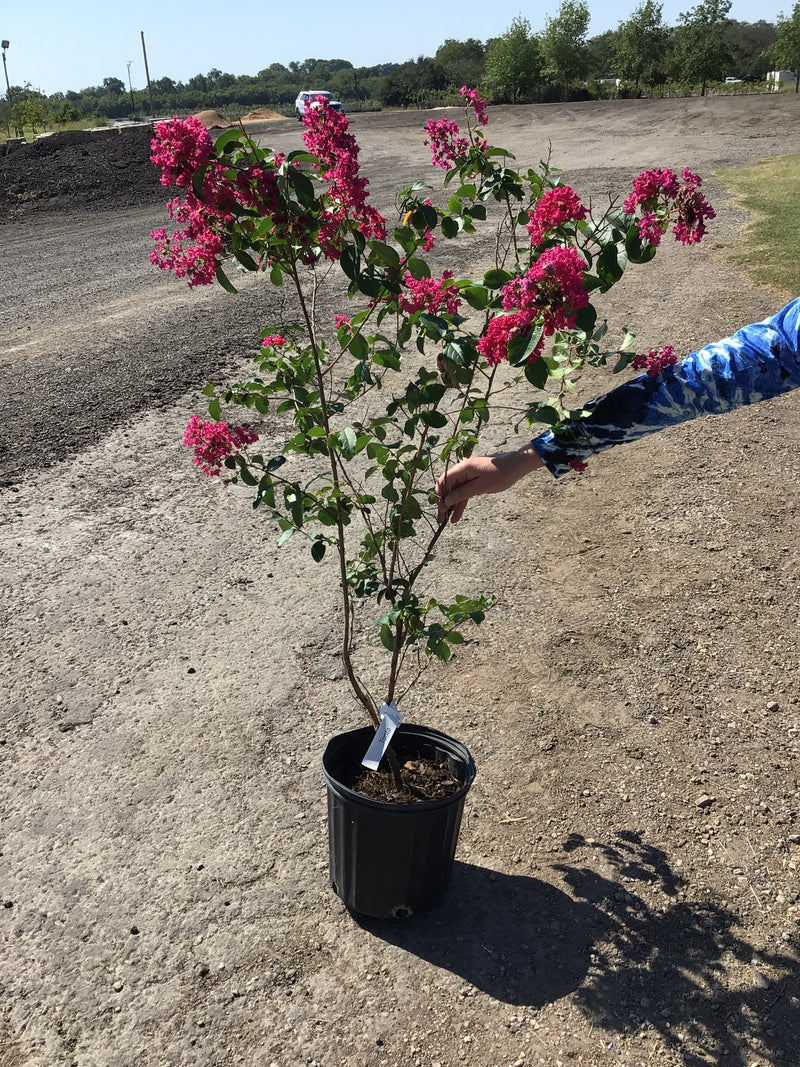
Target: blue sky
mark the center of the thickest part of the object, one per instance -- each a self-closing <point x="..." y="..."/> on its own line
<point x="58" y="45"/>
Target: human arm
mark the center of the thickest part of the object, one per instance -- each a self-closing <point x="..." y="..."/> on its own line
<point x="760" y="361"/>
<point x="482" y="474"/>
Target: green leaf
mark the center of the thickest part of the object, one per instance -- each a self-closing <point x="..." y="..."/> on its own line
<point x="246" y="260"/>
<point x="318" y="550"/>
<point x="608" y="266"/>
<point x="418" y="268"/>
<point x="547" y="415"/>
<point x="537" y="373"/>
<point x="228" y="140"/>
<point x="284" y="537"/>
<point x="434" y="419"/>
<point x="477" y="211"/>
<point x="302" y="186"/>
<point x="585" y="319"/>
<point x="214" y="410"/>
<point x="368" y="283"/>
<point x="358" y="346"/>
<point x="350" y="260"/>
<point x="224" y="280"/>
<point x="383" y="253"/>
<point x="638" y="251"/>
<point x="406" y="238"/>
<point x="521" y="346"/>
<point x="387" y="358"/>
<point x="496" y="279"/>
<point x="275" y="463"/>
<point x="276" y="276"/>
<point x="450" y="226"/>
<point x="477" y="296"/>
<point x="346" y="440"/>
<point x="387" y="637"/>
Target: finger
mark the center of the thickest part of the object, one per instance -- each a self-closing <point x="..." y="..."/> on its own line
<point x="458" y="511"/>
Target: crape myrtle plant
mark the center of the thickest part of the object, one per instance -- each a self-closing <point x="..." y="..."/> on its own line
<point x="401" y="384"/>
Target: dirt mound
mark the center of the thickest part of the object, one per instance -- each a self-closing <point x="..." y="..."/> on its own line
<point x="262" y="114"/>
<point x="212" y="118"/>
<point x="79" y="169"/>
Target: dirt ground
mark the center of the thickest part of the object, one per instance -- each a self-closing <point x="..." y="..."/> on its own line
<point x="626" y="886"/>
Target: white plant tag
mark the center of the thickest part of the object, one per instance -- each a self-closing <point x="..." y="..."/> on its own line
<point x="390" y="720"/>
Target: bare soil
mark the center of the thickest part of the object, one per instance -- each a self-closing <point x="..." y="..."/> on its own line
<point x="626" y="887"/>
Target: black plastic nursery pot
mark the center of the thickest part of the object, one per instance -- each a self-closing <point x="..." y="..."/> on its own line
<point x="392" y="859"/>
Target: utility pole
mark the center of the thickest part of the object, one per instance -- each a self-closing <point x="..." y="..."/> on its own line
<point x="147" y="72"/>
<point x="5" y="45"/>
<point x="130" y="86"/>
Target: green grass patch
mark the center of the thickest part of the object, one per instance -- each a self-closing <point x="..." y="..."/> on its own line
<point x="770" y="249"/>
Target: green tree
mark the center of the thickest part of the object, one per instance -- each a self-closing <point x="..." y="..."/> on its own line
<point x="512" y="63"/>
<point x="747" y="44"/>
<point x="602" y="53"/>
<point x="642" y="47"/>
<point x="114" y="85"/>
<point x="785" y="53"/>
<point x="563" y="44"/>
<point x="703" y="52"/>
<point x="463" y="62"/>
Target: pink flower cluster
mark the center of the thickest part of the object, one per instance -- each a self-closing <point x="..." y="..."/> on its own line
<point x="181" y="147"/>
<point x="325" y="136"/>
<point x="476" y="103"/>
<point x="553" y="209"/>
<point x="550" y="292"/>
<point x="552" y="288"/>
<point x="273" y="340"/>
<point x="693" y="209"/>
<point x="213" y="442"/>
<point x="445" y="142"/>
<point x="655" y="361"/>
<point x="192" y="250"/>
<point x="341" y="320"/>
<point x="428" y="294"/>
<point x="502" y="329"/>
<point x="661" y="196"/>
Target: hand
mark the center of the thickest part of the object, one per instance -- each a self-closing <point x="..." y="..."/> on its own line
<point x="482" y="474"/>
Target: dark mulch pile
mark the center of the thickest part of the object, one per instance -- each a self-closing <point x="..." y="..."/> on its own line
<point x="73" y="170"/>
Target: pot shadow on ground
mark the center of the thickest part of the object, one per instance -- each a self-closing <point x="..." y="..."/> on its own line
<point x="680" y="969"/>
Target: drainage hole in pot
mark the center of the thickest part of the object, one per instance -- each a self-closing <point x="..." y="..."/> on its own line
<point x="401" y="912"/>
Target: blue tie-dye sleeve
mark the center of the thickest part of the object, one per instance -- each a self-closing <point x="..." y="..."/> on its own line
<point x="760" y="361"/>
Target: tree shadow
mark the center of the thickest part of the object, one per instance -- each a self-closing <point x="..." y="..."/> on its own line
<point x="633" y="953"/>
<point x="516" y="938"/>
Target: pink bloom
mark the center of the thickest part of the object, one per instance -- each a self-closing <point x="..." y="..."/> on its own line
<point x="554" y="208"/>
<point x="651" y="228"/>
<point x="577" y="465"/>
<point x="479" y="106"/>
<point x="341" y="320"/>
<point x="552" y="289"/>
<point x="180" y="147"/>
<point x="445" y="142"/>
<point x="692" y="209"/>
<point x="194" y="249"/>
<point x="213" y="442"/>
<point x="502" y="329"/>
<point x="273" y="340"/>
<point x="326" y="136"/>
<point x="649" y="185"/>
<point x="661" y="195"/>
<point x="428" y="294"/>
<point x="655" y="361"/>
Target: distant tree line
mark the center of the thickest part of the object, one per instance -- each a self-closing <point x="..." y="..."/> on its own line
<point x="641" y="56"/>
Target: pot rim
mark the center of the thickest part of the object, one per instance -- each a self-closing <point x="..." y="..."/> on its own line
<point x="358" y="740"/>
